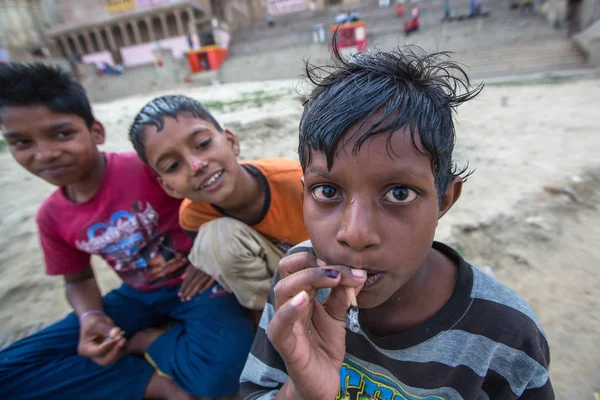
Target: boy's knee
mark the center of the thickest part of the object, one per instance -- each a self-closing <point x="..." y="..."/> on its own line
<point x="224" y="243"/>
<point x="238" y="257"/>
<point x="230" y="240"/>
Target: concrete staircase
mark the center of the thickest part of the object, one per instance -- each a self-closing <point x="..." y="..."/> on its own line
<point x="505" y="43"/>
<point x="527" y="58"/>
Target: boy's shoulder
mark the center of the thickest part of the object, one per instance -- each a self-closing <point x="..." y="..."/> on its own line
<point x="500" y="313"/>
<point x="499" y="299"/>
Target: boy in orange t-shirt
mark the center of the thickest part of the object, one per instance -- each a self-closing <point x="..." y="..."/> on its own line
<point x="243" y="216"/>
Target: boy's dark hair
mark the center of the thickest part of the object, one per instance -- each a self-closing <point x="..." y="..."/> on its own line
<point x="411" y="88"/>
<point x="154" y="112"/>
<point x="40" y="84"/>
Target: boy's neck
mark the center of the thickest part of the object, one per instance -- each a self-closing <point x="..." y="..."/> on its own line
<point x="84" y="190"/>
<point x="417" y="301"/>
<point x="248" y="198"/>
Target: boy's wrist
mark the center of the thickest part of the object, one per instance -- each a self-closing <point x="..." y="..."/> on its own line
<point x="289" y="391"/>
<point x="91" y="312"/>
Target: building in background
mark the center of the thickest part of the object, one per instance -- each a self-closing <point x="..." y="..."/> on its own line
<point x="124" y="31"/>
<point x="241" y="14"/>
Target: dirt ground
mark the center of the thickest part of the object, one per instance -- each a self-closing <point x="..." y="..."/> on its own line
<point x="520" y="139"/>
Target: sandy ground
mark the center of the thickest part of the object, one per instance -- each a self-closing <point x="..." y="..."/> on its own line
<point x="519" y="139"/>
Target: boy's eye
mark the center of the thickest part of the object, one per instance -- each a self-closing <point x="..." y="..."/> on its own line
<point x="325" y="193"/>
<point x="172" y="167"/>
<point x="203" y="144"/>
<point x="400" y="195"/>
<point x="20" y="144"/>
<point x="64" y="134"/>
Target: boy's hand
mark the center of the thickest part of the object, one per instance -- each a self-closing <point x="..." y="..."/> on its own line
<point x="310" y="336"/>
<point x="100" y="340"/>
<point x="194" y="282"/>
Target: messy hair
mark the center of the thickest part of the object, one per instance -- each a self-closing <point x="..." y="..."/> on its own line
<point x="24" y="85"/>
<point x="154" y="113"/>
<point x="406" y="86"/>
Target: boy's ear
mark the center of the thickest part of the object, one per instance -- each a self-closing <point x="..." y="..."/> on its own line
<point x="233" y="140"/>
<point x="452" y="194"/>
<point x="98" y="132"/>
<point x="168" y="189"/>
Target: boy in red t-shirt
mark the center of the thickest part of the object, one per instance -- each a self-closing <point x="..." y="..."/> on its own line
<point x="111" y="205"/>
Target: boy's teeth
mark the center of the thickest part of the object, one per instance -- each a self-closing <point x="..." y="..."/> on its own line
<point x="211" y="180"/>
<point x="372" y="279"/>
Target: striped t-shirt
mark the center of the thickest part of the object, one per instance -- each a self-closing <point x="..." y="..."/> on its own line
<point x="485" y="343"/>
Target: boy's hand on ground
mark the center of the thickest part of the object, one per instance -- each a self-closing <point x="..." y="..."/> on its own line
<point x="100" y="340"/>
<point x="310" y="336"/>
<point x="194" y="282"/>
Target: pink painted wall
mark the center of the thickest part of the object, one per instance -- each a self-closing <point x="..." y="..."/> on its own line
<point x="141" y="54"/>
<point x="98" y="58"/>
<point x="277" y="7"/>
<point x="150" y="3"/>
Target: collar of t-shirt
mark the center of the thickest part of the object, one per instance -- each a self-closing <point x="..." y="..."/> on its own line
<point x="255" y="172"/>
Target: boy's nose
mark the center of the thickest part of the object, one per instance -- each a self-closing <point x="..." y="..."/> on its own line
<point x="45" y="153"/>
<point x="196" y="165"/>
<point x="358" y="229"/>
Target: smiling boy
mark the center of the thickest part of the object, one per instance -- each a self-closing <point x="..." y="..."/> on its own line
<point x="376" y="143"/>
<point x="243" y="216"/>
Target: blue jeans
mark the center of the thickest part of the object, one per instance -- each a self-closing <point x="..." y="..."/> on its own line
<point x="204" y="351"/>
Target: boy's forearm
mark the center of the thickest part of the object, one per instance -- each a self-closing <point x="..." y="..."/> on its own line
<point x="83" y="293"/>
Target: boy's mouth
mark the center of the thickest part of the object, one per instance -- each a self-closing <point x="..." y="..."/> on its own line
<point x="372" y="278"/>
<point x="54" y="170"/>
<point x="210" y="182"/>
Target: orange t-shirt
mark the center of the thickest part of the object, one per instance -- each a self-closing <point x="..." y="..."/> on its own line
<point x="282" y="222"/>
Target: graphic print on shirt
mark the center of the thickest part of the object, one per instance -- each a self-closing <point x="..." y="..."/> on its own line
<point x="129" y="243"/>
<point x="359" y="383"/>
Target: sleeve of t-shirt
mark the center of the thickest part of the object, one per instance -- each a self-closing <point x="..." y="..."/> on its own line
<point x="60" y="258"/>
<point x="539" y="387"/>
<point x="530" y="374"/>
<point x="265" y="373"/>
<point x="190" y="219"/>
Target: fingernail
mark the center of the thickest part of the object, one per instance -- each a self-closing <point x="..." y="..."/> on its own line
<point x="332" y="273"/>
<point x="299" y="299"/>
<point x="359" y="273"/>
<point x="321" y="263"/>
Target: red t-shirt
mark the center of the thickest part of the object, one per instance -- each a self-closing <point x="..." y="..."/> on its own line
<point x="130" y="222"/>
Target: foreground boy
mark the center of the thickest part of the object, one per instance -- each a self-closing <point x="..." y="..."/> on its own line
<point x="243" y="216"/>
<point x="376" y="143"/>
<point x="111" y="205"/>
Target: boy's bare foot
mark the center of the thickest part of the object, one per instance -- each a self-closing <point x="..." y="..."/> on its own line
<point x="139" y="343"/>
<point x="164" y="388"/>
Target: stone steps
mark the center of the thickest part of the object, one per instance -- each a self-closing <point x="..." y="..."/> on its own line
<point x="550" y="55"/>
<point x="505" y="43"/>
